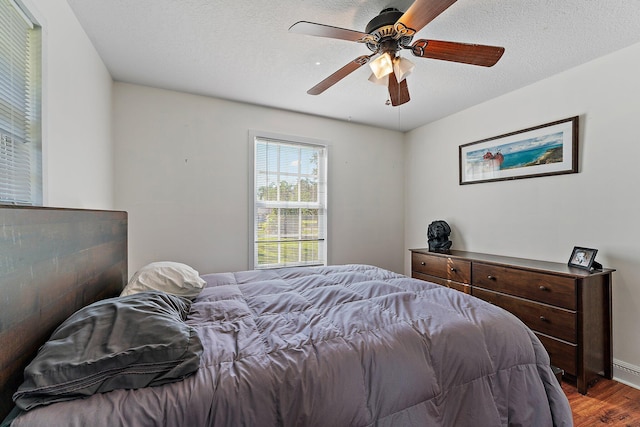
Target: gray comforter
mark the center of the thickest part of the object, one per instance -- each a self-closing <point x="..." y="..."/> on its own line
<point x="340" y="346"/>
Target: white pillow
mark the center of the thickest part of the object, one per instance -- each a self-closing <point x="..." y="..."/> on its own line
<point x="170" y="277"/>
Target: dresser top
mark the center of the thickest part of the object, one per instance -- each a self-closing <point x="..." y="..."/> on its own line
<point x="530" y="264"/>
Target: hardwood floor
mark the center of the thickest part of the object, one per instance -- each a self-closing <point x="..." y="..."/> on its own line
<point x="607" y="403"/>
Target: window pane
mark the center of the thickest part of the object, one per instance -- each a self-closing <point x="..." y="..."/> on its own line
<point x="289" y="224"/>
<point x="310" y="251"/>
<point x="289" y="159"/>
<point x="308" y="161"/>
<point x="266" y="176"/>
<point x="310" y="223"/>
<point x="266" y="224"/>
<point x="267" y="188"/>
<point x="308" y="190"/>
<point x="289" y="189"/>
<point x="267" y="253"/>
<point x="290" y="252"/>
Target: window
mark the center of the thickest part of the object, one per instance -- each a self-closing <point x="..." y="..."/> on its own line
<point x="290" y="203"/>
<point x="20" y="147"/>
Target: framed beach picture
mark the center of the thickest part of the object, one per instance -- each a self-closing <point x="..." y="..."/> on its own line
<point x="549" y="149"/>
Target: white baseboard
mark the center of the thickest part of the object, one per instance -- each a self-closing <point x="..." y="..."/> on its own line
<point x="626" y="373"/>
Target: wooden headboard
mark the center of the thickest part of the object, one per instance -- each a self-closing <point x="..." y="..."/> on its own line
<point x="52" y="263"/>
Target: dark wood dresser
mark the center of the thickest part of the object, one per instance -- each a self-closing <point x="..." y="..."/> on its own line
<point x="569" y="309"/>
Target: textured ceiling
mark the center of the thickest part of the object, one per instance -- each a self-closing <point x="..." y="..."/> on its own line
<point x="241" y="50"/>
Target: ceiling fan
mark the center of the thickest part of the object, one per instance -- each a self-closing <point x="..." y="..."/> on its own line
<point x="386" y="35"/>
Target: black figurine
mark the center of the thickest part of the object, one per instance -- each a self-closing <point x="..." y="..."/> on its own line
<point x="438" y="236"/>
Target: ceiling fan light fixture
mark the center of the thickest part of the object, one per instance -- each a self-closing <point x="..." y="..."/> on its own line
<point x="382" y="65"/>
<point x="384" y="81"/>
<point x="402" y="68"/>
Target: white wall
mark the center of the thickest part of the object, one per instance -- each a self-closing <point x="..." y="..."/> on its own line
<point x="544" y="218"/>
<point x="183" y="167"/>
<point x="76" y="92"/>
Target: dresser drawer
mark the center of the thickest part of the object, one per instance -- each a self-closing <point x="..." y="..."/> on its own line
<point x="441" y="266"/>
<point x="541" y="287"/>
<point x="444" y="282"/>
<point x="549" y="320"/>
<point x="562" y="354"/>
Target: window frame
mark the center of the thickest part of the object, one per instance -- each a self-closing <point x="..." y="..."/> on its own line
<point x="254" y="138"/>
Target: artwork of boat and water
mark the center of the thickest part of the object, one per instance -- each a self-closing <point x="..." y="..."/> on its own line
<point x="544" y="150"/>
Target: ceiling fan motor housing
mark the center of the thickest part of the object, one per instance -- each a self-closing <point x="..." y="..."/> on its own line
<point x="382" y="28"/>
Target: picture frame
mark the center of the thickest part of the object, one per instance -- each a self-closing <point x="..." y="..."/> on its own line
<point x="583" y="258"/>
<point x="548" y="149"/>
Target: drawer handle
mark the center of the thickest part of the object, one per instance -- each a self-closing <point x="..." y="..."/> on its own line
<point x="544" y="319"/>
<point x="453" y="269"/>
<point x="543" y="288"/>
<point x="423" y="263"/>
<point x="491" y="277"/>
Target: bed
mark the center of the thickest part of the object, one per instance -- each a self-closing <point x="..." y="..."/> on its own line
<point x="345" y="345"/>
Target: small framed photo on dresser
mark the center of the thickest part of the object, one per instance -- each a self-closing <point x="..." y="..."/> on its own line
<point x="583" y="258"/>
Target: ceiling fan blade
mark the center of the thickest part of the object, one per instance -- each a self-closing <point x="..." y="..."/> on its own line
<point x="398" y="92"/>
<point x="419" y="14"/>
<point x="321" y="30"/>
<point x="339" y="75"/>
<point x="474" y="54"/>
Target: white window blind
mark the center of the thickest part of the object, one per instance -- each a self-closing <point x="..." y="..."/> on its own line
<point x="20" y="147"/>
<point x="290" y="203"/>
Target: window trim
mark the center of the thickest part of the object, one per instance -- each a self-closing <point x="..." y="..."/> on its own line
<point x="296" y="141"/>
